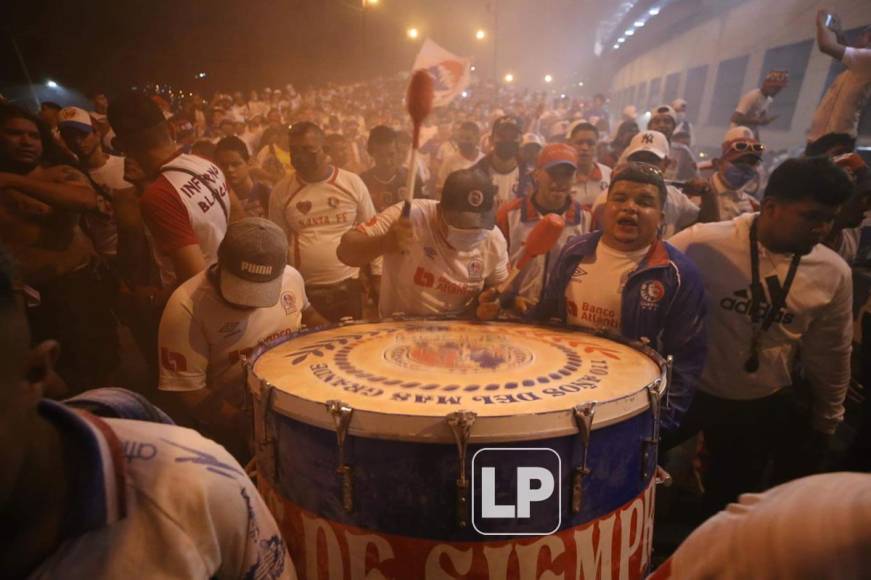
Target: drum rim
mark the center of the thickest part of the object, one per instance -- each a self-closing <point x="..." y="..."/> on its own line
<point x="287" y="404"/>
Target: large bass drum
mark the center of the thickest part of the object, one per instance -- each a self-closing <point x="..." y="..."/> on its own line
<point x="448" y="449"/>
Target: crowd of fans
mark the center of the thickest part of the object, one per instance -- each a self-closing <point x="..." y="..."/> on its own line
<point x="201" y="227"/>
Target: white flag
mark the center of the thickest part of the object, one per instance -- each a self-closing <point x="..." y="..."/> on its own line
<point x="450" y="73"/>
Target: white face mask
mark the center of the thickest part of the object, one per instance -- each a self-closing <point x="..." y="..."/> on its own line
<point x="465" y="240"/>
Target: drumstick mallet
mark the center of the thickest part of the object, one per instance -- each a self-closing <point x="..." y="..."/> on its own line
<point x="541" y="240"/>
<point x="418" y="101"/>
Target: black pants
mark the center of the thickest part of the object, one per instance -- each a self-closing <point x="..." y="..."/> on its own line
<point x="336" y="301"/>
<point x="741" y="438"/>
<point x="77" y="310"/>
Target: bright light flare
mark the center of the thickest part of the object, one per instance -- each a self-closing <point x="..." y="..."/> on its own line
<point x="481" y="34"/>
<point x="51" y="84"/>
<point x="413" y="33"/>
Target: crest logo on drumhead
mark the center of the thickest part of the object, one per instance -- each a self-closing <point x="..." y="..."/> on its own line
<point x="458" y="353"/>
<point x="476" y="271"/>
<point x="652" y="292"/>
<point x="475" y="198"/>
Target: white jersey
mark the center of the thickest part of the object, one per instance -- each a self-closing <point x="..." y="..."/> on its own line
<point x="817" y="317"/>
<point x="160" y="501"/>
<point x="679" y="211"/>
<point x="315" y="216"/>
<point x="101" y="223"/>
<point x="594" y="295"/>
<point x="814" y="528"/>
<point x="187" y="205"/>
<point x="516" y="219"/>
<point x="753" y="104"/>
<point x="732" y="202"/>
<point x="588" y="188"/>
<point x="506" y="185"/>
<point x="432" y="277"/>
<point x="202" y="336"/>
<point x="845" y="99"/>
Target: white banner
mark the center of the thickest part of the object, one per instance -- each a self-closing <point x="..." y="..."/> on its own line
<point x="450" y="73"/>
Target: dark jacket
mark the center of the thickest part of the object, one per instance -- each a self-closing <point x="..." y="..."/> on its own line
<point x="663" y="302"/>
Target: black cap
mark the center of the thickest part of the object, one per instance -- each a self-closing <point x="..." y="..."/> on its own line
<point x="469" y="200"/>
<point x="508" y="121"/>
<point x="132" y="113"/>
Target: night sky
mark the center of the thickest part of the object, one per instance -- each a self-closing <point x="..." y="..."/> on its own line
<point x="110" y="45"/>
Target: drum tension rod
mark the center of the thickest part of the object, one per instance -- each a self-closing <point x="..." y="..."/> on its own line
<point x="669" y="363"/>
<point x="649" y="444"/>
<point x="461" y="423"/>
<point x="584" y="420"/>
<point x="341" y="413"/>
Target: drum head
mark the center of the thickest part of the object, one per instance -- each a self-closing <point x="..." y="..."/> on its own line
<point x="401" y="377"/>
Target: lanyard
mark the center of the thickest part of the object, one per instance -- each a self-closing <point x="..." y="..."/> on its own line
<point x="757" y="293"/>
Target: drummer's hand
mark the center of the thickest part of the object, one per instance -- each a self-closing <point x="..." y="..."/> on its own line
<point x="400" y="236"/>
<point x="523" y="305"/>
<point x="488" y="304"/>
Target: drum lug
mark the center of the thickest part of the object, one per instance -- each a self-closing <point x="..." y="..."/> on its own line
<point x="461" y="423"/>
<point x="341" y="413"/>
<point x="669" y="363"/>
<point x="584" y="419"/>
<point x="649" y="444"/>
<point x="265" y="445"/>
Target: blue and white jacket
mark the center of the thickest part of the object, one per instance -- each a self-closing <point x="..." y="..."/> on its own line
<point x="673" y="322"/>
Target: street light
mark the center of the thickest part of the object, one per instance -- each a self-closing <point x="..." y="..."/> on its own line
<point x="51" y="84"/>
<point x="548" y="79"/>
<point x="509" y="78"/>
<point x="480" y="34"/>
<point x="412" y="33"/>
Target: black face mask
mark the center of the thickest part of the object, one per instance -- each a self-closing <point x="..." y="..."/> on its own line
<point x="467" y="149"/>
<point x="506" y="149"/>
<point x="305" y="162"/>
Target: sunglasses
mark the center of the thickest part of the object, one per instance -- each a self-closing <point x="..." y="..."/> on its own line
<point x="746" y="147"/>
<point x="777" y="77"/>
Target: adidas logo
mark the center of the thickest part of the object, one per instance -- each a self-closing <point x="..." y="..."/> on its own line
<point x="740" y="302"/>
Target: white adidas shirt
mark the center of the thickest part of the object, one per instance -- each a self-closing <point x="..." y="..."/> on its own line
<point x="818" y="318"/>
<point x="432" y="277"/>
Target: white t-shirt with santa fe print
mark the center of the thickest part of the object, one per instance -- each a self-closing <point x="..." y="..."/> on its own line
<point x="594" y="295"/>
<point x="315" y="216"/>
<point x="202" y="336"/>
<point x="433" y="277"/>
